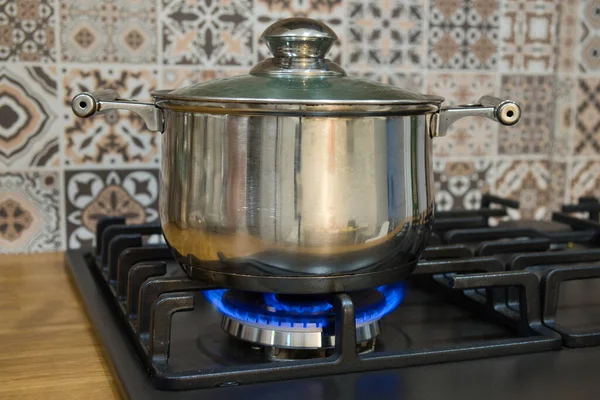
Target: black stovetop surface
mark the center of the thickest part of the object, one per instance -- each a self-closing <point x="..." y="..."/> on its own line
<point x="444" y="318"/>
<point x="570" y="373"/>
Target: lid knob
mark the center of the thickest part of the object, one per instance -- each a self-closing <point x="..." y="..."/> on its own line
<point x="299" y="38"/>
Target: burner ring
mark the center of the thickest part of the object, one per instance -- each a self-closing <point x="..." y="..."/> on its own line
<point x="290" y="338"/>
<point x="254" y="308"/>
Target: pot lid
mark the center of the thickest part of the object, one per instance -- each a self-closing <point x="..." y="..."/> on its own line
<point x="298" y="73"/>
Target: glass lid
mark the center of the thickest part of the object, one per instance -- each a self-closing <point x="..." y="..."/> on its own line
<point x="298" y="73"/>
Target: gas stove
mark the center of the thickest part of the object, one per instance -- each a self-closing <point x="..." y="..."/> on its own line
<point x="486" y="287"/>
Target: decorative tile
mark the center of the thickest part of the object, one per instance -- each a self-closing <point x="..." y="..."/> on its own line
<point x="174" y="78"/>
<point x="468" y="136"/>
<point x="528" y="182"/>
<point x="532" y="135"/>
<point x="108" y="31"/>
<point x="564" y="118"/>
<point x="28" y="121"/>
<point x="558" y="189"/>
<point x="567" y="35"/>
<point x="330" y="12"/>
<point x="589" y="19"/>
<point x="460" y="184"/>
<point x="386" y="33"/>
<point x="412" y="81"/>
<point x="92" y="195"/>
<point x="585" y="179"/>
<point x="30" y="212"/>
<point x="528" y="35"/>
<point x="207" y="32"/>
<point x="27" y="31"/>
<point x="587" y="123"/>
<point x="111" y="138"/>
<point x="463" y="34"/>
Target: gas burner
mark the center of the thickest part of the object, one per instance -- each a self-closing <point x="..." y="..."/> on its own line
<point x="297" y="326"/>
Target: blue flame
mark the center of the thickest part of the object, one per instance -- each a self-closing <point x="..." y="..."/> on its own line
<point x="310" y="308"/>
<point x="287" y="315"/>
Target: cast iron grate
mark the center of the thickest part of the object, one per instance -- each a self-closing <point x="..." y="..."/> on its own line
<point x="148" y="291"/>
<point x="571" y="266"/>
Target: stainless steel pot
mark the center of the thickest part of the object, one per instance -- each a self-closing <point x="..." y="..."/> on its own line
<point x="296" y="178"/>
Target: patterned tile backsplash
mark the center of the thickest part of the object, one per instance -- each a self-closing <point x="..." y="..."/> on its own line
<point x="28" y="30"/>
<point x="115" y="138"/>
<point x="59" y="174"/>
<point x="386" y="34"/>
<point x="91" y="194"/>
<point x="108" y="31"/>
<point x="469" y="136"/>
<point x="28" y="116"/>
<point x="528" y="35"/>
<point x="536" y="94"/>
<point x="464" y="34"/>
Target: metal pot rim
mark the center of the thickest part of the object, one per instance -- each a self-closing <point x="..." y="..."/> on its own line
<point x="162" y="95"/>
<point x="211" y="106"/>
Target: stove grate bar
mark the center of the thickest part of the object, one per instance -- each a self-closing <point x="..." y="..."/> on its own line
<point x="475" y="218"/>
<point x="134" y="255"/>
<point x="446" y="252"/>
<point x="525" y="260"/>
<point x="137" y="276"/>
<point x="113" y="229"/>
<point x="485" y="234"/>
<point x="576" y="223"/>
<point x="488" y="199"/>
<point x="160" y="325"/>
<point x="512" y="246"/>
<point x="591" y="205"/>
<point x="475" y="264"/>
<point x="446" y="222"/>
<point x="118" y="245"/>
<point x="551" y="282"/>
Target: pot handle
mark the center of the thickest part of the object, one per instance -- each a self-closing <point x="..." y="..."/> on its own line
<point x="90" y="103"/>
<point x="506" y="112"/>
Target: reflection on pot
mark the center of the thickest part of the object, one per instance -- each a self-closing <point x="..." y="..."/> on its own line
<point x="341" y="194"/>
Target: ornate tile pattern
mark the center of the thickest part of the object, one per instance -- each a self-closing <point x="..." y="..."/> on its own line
<point x="564" y="118"/>
<point x="558" y="185"/>
<point x="469" y="136"/>
<point x="30" y="219"/>
<point x="329" y="11"/>
<point x="207" y="32"/>
<point x="28" y="117"/>
<point x="587" y="123"/>
<point x="90" y="195"/>
<point x="108" y="31"/>
<point x="460" y="184"/>
<point x="528" y="182"/>
<point x="584" y="179"/>
<point x="27" y="31"/>
<point x="386" y="33"/>
<point x="463" y="34"/>
<point x="173" y="78"/>
<point x="112" y="138"/>
<point x="532" y="135"/>
<point x="413" y="81"/>
<point x="567" y="37"/>
<point x="528" y="35"/>
<point x="589" y="17"/>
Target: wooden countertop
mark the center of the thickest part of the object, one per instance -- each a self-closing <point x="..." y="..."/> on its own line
<point x="47" y="347"/>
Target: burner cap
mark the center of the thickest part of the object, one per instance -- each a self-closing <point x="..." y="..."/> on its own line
<point x="300" y="321"/>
